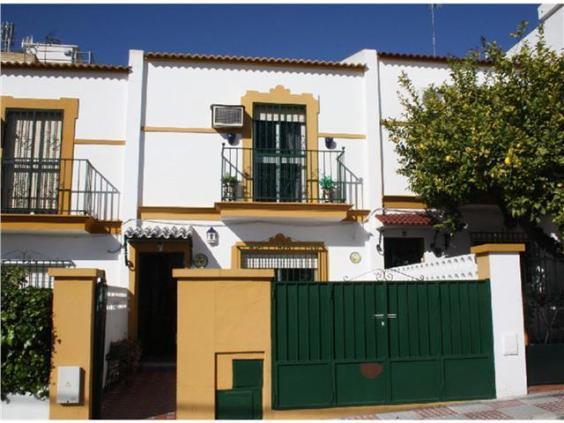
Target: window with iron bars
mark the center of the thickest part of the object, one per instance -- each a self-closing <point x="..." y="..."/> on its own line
<point x="37" y="270"/>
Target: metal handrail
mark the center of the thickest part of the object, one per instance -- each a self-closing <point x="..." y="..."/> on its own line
<point x="288" y="175"/>
<point x="57" y="186"/>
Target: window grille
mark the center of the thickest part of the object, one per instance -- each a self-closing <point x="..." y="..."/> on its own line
<point x="37" y="276"/>
<point x="279" y="261"/>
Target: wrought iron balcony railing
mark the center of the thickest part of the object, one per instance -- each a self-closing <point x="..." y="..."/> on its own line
<point x="288" y="175"/>
<point x="57" y="186"/>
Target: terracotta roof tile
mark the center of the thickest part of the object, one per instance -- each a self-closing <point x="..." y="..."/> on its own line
<point x="424" y="57"/>
<point x="254" y="60"/>
<point x="66" y="66"/>
<point x="410" y="219"/>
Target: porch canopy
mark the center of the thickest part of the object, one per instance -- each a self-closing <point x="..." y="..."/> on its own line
<point x="159" y="232"/>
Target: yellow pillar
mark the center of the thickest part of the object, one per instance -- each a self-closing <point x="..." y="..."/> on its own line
<point x="73" y="326"/>
<point x="222" y="315"/>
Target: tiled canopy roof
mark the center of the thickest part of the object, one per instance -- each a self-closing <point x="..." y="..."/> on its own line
<point x="159" y="232"/>
<point x="409" y="219"/>
<point x="253" y="60"/>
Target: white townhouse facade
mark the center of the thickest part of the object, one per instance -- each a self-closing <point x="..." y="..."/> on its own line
<point x="199" y="161"/>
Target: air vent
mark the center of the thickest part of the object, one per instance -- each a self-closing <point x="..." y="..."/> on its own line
<point x="227" y="116"/>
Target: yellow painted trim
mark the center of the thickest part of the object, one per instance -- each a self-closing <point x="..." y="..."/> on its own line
<point x="254" y="209"/>
<point x="189" y="130"/>
<point x="403" y="202"/>
<point x="223" y="274"/>
<point x="497" y="248"/>
<point x="57" y="223"/>
<point x="98" y="142"/>
<point x="284" y="245"/>
<point x="148" y="246"/>
<point x="178" y="213"/>
<point x="73" y="326"/>
<point x="69" y="106"/>
<point x="483" y="263"/>
<point x="230" y="209"/>
<point x="342" y="136"/>
<point x="357" y="215"/>
<point x="282" y="95"/>
<point x="74" y="273"/>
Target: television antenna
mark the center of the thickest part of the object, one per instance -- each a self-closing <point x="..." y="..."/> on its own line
<point x="434" y="8"/>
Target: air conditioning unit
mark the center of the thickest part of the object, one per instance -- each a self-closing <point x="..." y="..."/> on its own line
<point x="227" y="116"/>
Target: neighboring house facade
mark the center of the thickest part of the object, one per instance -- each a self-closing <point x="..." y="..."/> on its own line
<point x="132" y="170"/>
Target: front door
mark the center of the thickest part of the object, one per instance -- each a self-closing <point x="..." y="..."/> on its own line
<point x="157" y="305"/>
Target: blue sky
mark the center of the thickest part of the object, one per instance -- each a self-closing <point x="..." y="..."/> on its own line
<point x="316" y="31"/>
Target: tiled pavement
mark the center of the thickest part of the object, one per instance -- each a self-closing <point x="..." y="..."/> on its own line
<point x="542" y="405"/>
<point x="150" y="393"/>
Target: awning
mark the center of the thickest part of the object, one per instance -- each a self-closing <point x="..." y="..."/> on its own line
<point x="158" y="232"/>
<point x="405" y="219"/>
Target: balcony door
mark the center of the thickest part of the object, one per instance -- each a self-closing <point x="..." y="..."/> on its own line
<point x="279" y="153"/>
<point x="31" y="161"/>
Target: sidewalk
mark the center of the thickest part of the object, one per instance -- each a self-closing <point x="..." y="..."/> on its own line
<point x="542" y="405"/>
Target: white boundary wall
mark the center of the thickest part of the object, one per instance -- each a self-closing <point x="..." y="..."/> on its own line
<point x="25" y="407"/>
<point x="452" y="268"/>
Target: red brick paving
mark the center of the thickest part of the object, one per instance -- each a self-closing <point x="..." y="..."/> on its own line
<point x="487" y="415"/>
<point x="150" y="393"/>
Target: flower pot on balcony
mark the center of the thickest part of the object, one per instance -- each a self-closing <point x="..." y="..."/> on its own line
<point x="328" y="189"/>
<point x="329" y="195"/>
<point x="229" y="188"/>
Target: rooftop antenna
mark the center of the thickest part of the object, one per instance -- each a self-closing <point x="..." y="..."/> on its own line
<point x="433" y="8"/>
<point x="8" y="35"/>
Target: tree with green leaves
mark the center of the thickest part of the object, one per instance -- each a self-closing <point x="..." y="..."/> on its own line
<point x="494" y="133"/>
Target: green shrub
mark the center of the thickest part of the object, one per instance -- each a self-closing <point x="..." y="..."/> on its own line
<point x="26" y="335"/>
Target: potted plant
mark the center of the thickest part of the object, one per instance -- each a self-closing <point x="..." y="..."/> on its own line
<point x="229" y="186"/>
<point x="328" y="186"/>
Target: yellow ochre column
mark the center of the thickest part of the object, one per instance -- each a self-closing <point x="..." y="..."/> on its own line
<point x="73" y="326"/>
<point x="222" y="315"/>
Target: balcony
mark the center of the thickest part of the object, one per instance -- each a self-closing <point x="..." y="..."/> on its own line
<point x="57" y="195"/>
<point x="288" y="183"/>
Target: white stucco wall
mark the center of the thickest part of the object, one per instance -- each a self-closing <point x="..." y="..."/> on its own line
<point x="422" y="74"/>
<point x="101" y="109"/>
<point x="24" y="407"/>
<point x="552" y="17"/>
<point x="174" y="161"/>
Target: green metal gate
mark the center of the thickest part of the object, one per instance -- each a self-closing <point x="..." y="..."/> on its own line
<point x="362" y="343"/>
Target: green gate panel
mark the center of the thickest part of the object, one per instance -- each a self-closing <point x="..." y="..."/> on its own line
<point x="238" y="404"/>
<point x="416" y="380"/>
<point x="469" y="378"/>
<point x="247" y="374"/>
<point x="360" y="383"/>
<point x="433" y="338"/>
<point x="304" y="385"/>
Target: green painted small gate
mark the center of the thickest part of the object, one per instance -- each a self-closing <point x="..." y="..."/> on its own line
<point x="362" y="343"/>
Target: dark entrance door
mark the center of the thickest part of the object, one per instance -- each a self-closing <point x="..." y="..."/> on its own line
<point x="157" y="305"/>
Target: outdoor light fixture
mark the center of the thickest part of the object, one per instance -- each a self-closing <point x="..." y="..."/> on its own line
<point x="212" y="236"/>
<point x="231" y="138"/>
<point x="330" y="142"/>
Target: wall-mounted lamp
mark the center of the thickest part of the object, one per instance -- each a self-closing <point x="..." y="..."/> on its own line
<point x="231" y="138"/>
<point x="212" y="236"/>
<point x="330" y="142"/>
